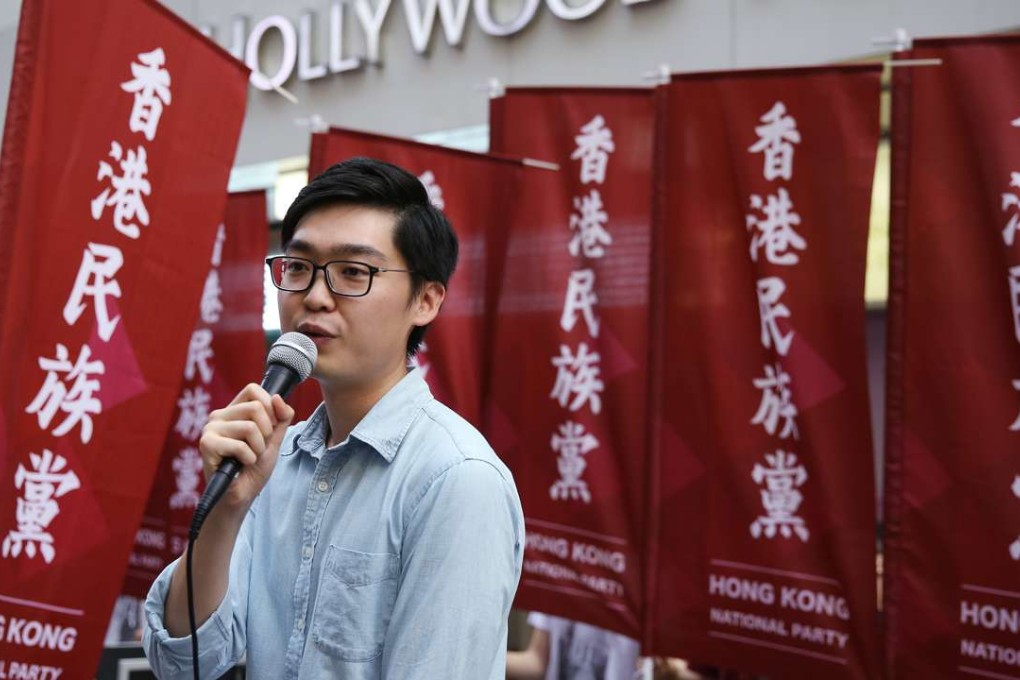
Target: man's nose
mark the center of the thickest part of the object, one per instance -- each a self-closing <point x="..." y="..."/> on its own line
<point x="319" y="292"/>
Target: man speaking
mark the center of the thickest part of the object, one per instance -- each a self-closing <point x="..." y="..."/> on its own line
<point x="382" y="538"/>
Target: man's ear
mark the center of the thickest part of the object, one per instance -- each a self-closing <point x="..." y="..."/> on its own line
<point x="429" y="300"/>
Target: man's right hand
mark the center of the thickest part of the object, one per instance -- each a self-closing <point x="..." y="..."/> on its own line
<point x="250" y="430"/>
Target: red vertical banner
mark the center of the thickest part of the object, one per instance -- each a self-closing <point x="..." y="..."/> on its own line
<point x="226" y="351"/>
<point x="764" y="544"/>
<point x="953" y="424"/>
<point x="113" y="186"/>
<point x="567" y="407"/>
<point x="476" y="192"/>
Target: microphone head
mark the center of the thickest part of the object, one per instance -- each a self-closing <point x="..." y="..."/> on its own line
<point x="296" y="351"/>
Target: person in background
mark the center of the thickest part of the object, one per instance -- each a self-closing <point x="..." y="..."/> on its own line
<point x="561" y="649"/>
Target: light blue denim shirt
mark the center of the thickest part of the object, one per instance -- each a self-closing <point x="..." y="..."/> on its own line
<point x="394" y="554"/>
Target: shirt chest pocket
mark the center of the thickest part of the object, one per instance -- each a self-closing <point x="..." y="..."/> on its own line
<point x="357" y="592"/>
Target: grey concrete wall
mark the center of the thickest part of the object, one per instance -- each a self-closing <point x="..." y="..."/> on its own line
<point x="408" y="93"/>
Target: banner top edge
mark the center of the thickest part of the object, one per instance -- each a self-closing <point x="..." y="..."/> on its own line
<point x="951" y="41"/>
<point x="489" y="156"/>
<point x="577" y="89"/>
<point x="779" y="71"/>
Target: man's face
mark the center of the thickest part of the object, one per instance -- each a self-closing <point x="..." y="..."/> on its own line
<point x="361" y="340"/>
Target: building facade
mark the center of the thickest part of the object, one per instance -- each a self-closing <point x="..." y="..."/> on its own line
<point x="415" y="67"/>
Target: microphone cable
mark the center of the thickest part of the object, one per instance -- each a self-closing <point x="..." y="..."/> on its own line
<point x="192" y="535"/>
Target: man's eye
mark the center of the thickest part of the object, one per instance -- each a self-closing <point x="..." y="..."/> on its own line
<point x="352" y="272"/>
<point x="295" y="267"/>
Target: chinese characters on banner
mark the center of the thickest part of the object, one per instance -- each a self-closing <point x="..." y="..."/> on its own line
<point x="569" y="387"/>
<point x="771" y="228"/>
<point x="98" y="278"/>
<point x="476" y="192"/>
<point x="226" y="351"/>
<point x="764" y="533"/>
<point x="952" y="595"/>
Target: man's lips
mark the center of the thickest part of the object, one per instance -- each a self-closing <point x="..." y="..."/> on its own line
<point x="315" y="332"/>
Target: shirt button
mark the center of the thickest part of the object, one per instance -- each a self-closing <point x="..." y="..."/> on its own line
<point x="323" y="486"/>
<point x="301" y="624"/>
<point x="307" y="552"/>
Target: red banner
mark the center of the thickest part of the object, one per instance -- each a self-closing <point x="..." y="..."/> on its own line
<point x="953" y="453"/>
<point x="476" y="191"/>
<point x="569" y="386"/>
<point x="764" y="546"/>
<point x="226" y="351"/>
<point x="121" y="128"/>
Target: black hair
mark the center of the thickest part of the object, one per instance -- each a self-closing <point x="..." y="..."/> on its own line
<point x="421" y="233"/>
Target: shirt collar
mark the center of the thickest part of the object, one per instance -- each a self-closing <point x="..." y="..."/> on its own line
<point x="312" y="439"/>
<point x="383" y="427"/>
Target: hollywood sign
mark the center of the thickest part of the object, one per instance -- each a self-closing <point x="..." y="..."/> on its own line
<point x="297" y="40"/>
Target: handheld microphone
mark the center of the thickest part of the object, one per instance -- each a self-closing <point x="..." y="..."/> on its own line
<point x="291" y="360"/>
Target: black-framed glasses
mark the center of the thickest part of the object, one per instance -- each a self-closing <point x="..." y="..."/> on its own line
<point x="343" y="277"/>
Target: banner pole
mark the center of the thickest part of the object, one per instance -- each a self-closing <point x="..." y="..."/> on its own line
<point x="543" y="165"/>
<point x="896" y="63"/>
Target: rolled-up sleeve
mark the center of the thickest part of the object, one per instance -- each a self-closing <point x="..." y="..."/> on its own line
<point x="221" y="638"/>
<point x="460" y="565"/>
